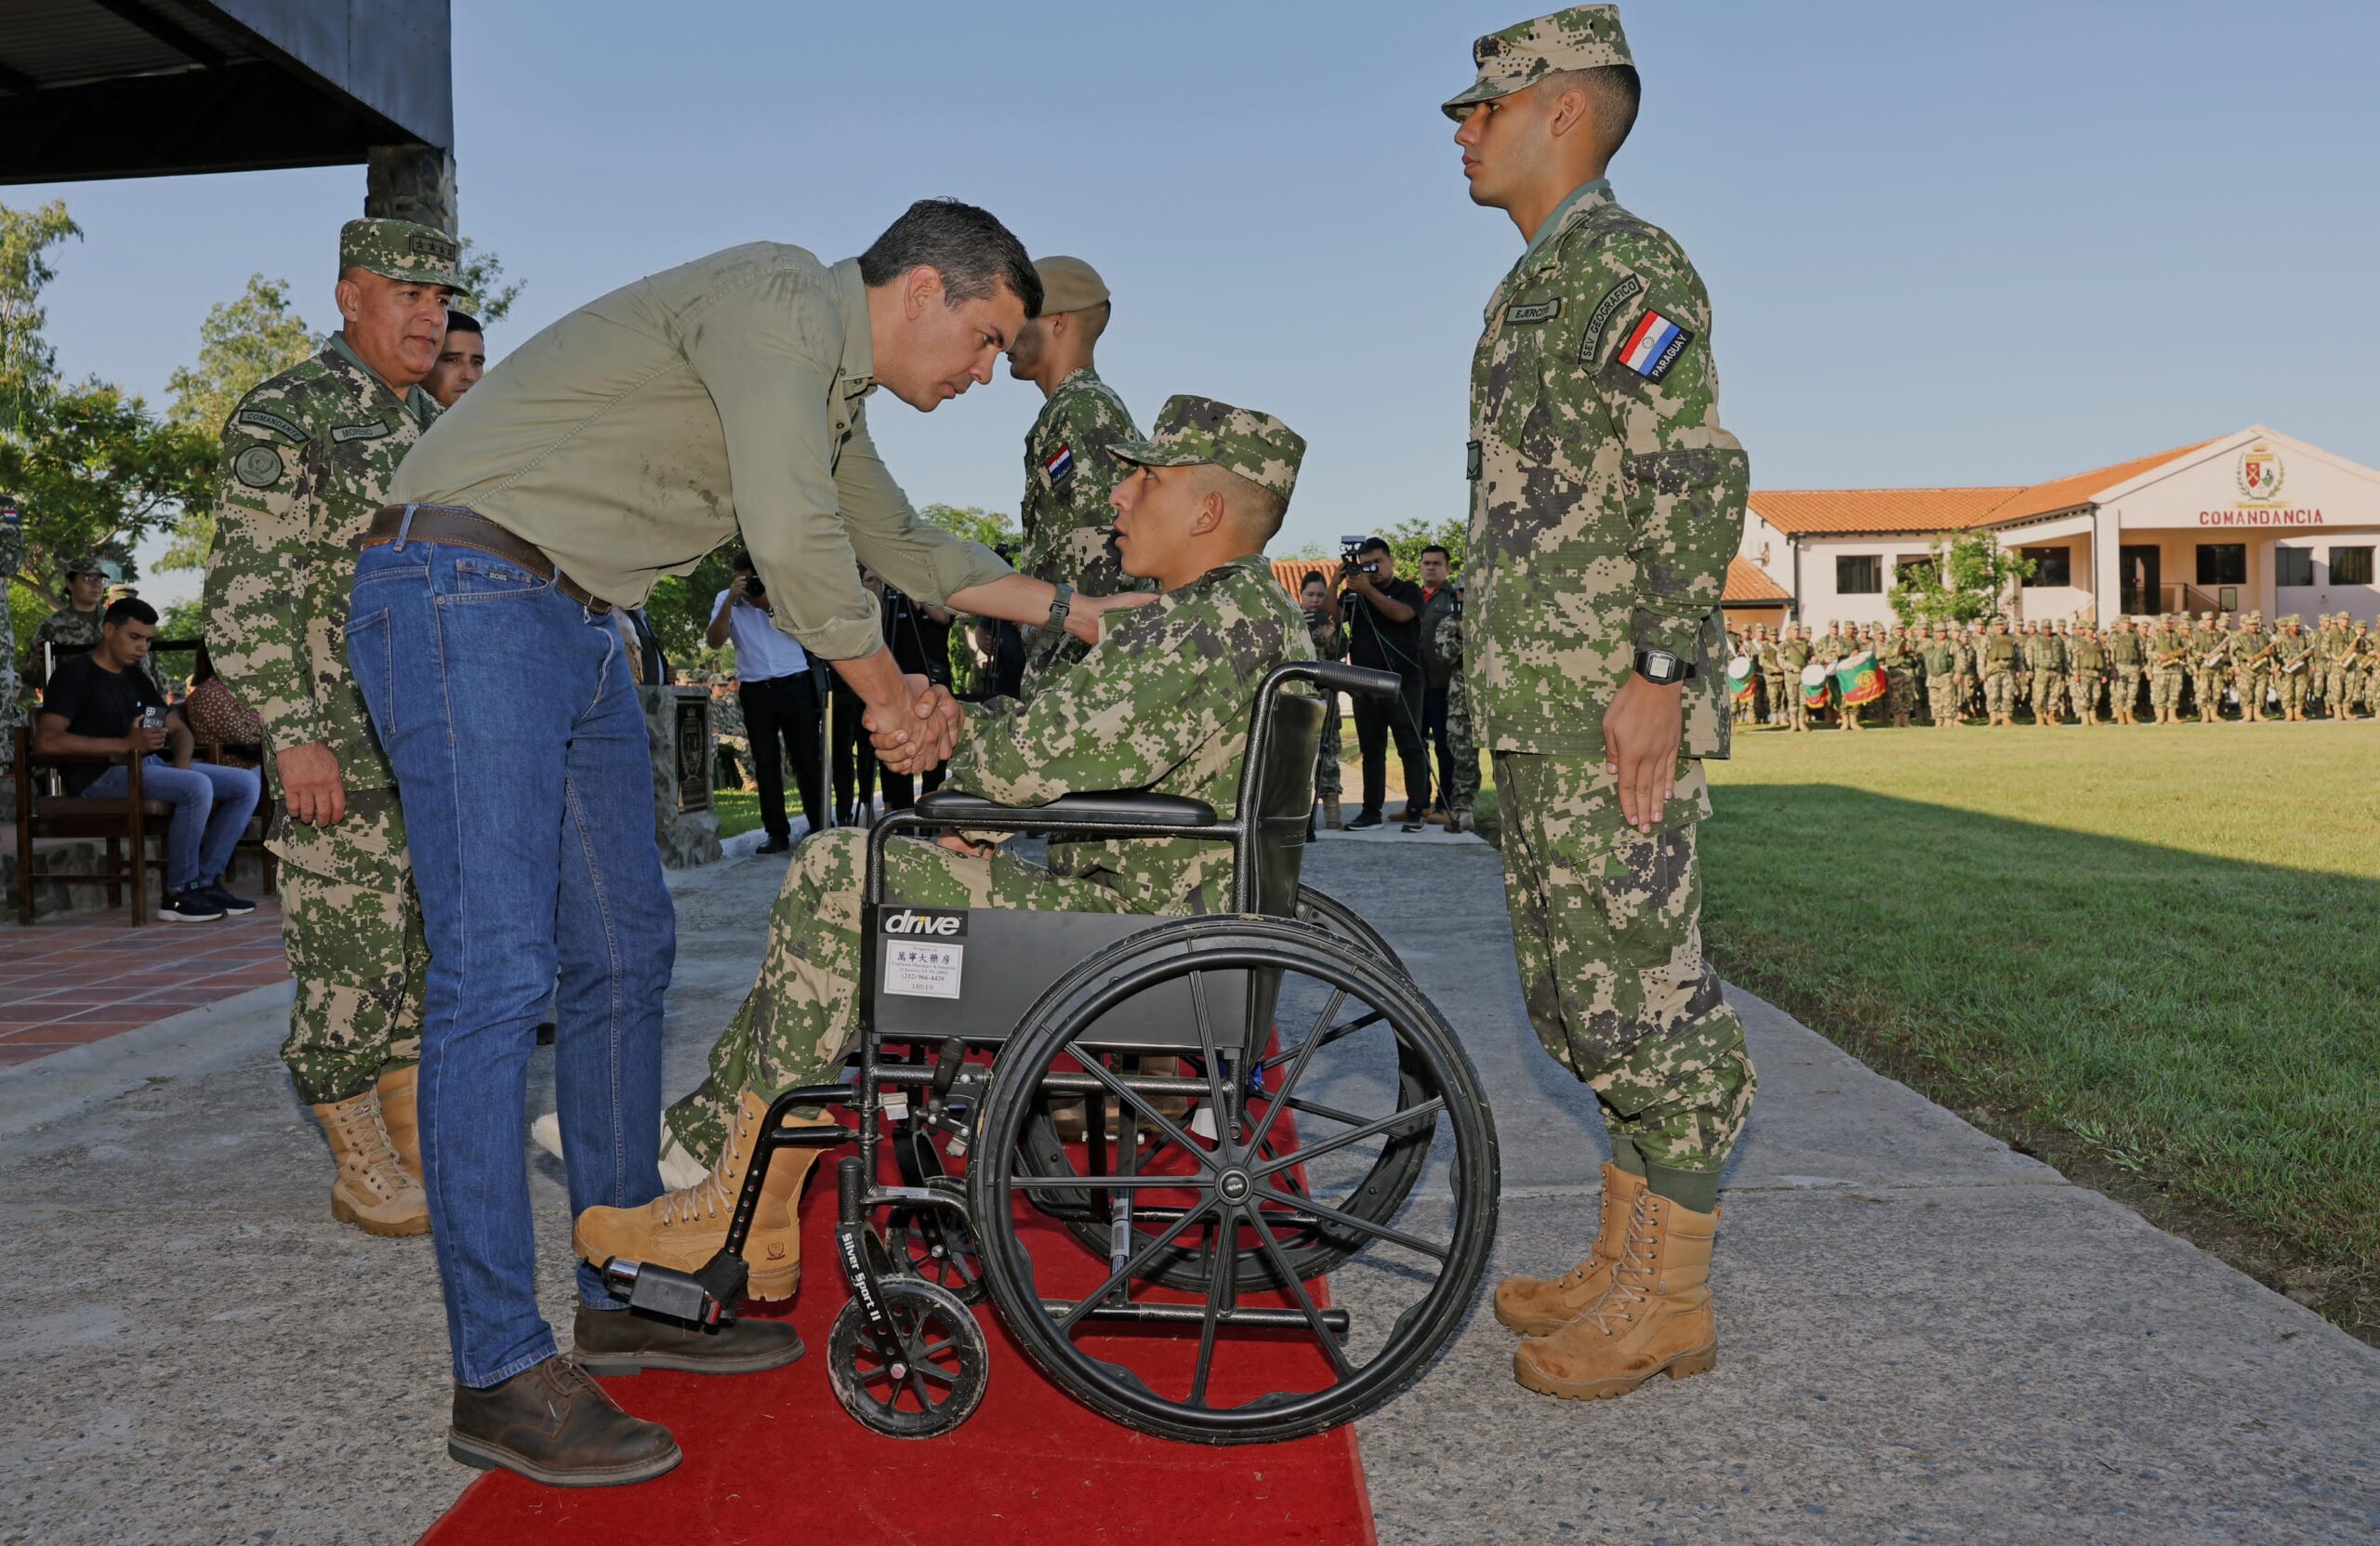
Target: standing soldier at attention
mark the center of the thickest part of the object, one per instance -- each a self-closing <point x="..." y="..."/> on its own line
<point x="2046" y="659"/>
<point x="1606" y="502"/>
<point x="1900" y="655"/>
<point x="2210" y="660"/>
<point x="1939" y="656"/>
<point x="2002" y="658"/>
<point x="2252" y="653"/>
<point x="2169" y="650"/>
<point x="1770" y="658"/>
<point x="2127" y="653"/>
<point x="1067" y="474"/>
<point x="1329" y="641"/>
<point x="2338" y="651"/>
<point x="306" y="460"/>
<point x="1443" y="641"/>
<point x="1794" y="653"/>
<point x="2086" y="670"/>
<point x="2292" y="663"/>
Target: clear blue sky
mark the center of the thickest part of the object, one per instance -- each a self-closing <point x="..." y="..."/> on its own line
<point x="1946" y="243"/>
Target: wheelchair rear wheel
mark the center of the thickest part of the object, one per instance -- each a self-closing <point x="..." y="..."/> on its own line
<point x="1357" y="1043"/>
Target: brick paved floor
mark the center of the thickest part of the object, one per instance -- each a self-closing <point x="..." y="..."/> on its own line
<point x="65" y="984"/>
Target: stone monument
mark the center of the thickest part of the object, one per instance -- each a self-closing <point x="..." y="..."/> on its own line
<point x="677" y="732"/>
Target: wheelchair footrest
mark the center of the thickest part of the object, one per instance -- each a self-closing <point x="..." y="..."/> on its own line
<point x="706" y="1297"/>
<point x="1335" y="1319"/>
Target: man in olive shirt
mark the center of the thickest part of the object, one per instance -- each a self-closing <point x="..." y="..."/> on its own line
<point x="622" y="443"/>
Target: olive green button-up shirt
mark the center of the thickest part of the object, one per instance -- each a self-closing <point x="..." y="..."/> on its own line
<point x="643" y="430"/>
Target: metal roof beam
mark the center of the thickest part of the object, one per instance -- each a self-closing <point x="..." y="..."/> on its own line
<point x="179" y="39"/>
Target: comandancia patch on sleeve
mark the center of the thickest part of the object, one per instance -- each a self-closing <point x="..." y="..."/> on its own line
<point x="274" y="422"/>
<point x="1653" y="345"/>
<point x="1059" y="466"/>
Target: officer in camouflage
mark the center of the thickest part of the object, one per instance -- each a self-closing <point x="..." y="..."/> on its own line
<point x="1068" y="475"/>
<point x="306" y="460"/>
<point x="1606" y="503"/>
<point x="1162" y="704"/>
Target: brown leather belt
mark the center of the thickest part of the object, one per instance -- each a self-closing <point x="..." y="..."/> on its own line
<point x="457" y="527"/>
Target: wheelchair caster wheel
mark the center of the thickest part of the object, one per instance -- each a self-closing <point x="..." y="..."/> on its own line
<point x="925" y="1378"/>
<point x="935" y="1246"/>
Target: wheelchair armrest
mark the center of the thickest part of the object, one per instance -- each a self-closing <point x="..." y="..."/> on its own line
<point x="955" y="809"/>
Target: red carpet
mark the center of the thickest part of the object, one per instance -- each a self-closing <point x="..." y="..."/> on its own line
<point x="773" y="1457"/>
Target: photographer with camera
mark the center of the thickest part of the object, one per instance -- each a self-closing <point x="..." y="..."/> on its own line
<point x="1384" y="617"/>
<point x="775" y="688"/>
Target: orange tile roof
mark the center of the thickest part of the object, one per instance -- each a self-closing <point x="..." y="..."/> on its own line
<point x="1799" y="511"/>
<point x="1749" y="585"/>
<point x="2065" y="493"/>
<point x="1291" y="573"/>
<point x="1878" y="509"/>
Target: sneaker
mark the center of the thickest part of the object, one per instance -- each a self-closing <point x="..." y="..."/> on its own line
<point x="190" y="907"/>
<point x="1364" y="822"/>
<point x="214" y="892"/>
<point x="776" y="843"/>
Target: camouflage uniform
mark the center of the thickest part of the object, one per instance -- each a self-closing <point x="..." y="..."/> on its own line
<point x="1329" y="642"/>
<point x="2252" y="653"/>
<point x="2210" y="664"/>
<point x="2169" y="651"/>
<point x="2002" y="655"/>
<point x="1606" y="503"/>
<point x="1445" y="643"/>
<point x="1900" y="677"/>
<point x="306" y="459"/>
<point x="1792" y="654"/>
<point x="1940" y="658"/>
<point x="2127" y="656"/>
<point x="2086" y="672"/>
<point x="2045" y="656"/>
<point x="1162" y="704"/>
<point x="1068" y="476"/>
<point x="1769" y="658"/>
<point x="2338" y="649"/>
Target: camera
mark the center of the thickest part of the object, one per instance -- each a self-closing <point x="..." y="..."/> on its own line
<point x="1348" y="547"/>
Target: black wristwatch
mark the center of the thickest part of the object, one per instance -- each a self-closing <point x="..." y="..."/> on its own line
<point x="1057" y="622"/>
<point x="1661" y="668"/>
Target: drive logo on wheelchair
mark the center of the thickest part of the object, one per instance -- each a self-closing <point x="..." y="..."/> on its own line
<point x="938" y="922"/>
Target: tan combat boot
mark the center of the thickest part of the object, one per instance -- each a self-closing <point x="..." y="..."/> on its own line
<point x="401" y="1115"/>
<point x="1654" y="1319"/>
<point x="1538" y="1305"/>
<point x="685" y="1229"/>
<point x="373" y="1192"/>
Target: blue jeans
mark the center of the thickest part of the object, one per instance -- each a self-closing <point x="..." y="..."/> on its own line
<point x="510" y="715"/>
<point x="211" y="803"/>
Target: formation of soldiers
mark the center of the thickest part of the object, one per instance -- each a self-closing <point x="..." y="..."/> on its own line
<point x="2137" y="670"/>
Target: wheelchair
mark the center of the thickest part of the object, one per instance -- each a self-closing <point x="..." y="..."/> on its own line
<point x="1145" y="1138"/>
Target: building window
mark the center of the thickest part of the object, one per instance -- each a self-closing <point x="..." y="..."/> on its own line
<point x="2051" y="566"/>
<point x="2351" y="566"/>
<point x="1908" y="564"/>
<point x="1859" y="575"/>
<point x="2222" y="563"/>
<point x="2293" y="566"/>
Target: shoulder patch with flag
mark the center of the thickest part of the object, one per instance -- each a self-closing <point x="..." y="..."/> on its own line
<point x="1653" y="345"/>
<point x="1059" y="467"/>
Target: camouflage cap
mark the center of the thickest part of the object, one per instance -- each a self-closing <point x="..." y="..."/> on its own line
<point x="82" y="564"/>
<point x="1583" y="37"/>
<point x="1200" y="431"/>
<point x="401" y="249"/>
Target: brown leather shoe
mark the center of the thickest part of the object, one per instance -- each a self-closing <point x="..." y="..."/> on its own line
<point x="1654" y="1319"/>
<point x="622" y="1342"/>
<point x="401" y="1114"/>
<point x="553" y="1424"/>
<point x="1535" y="1306"/>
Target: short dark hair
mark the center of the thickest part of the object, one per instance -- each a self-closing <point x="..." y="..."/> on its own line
<point x="1315" y="576"/>
<point x="966" y="245"/>
<point x="1614" y="91"/>
<point x="463" y="322"/>
<point x="1375" y="544"/>
<point x="1434" y="548"/>
<point x="741" y="562"/>
<point x="132" y="609"/>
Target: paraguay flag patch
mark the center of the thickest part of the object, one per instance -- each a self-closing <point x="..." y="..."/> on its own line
<point x="1059" y="467"/>
<point x="1653" y="346"/>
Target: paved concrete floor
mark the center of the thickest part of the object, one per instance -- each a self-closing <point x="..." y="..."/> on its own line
<point x="1924" y="1336"/>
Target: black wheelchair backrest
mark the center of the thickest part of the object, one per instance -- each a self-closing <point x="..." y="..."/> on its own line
<point x="1286" y="786"/>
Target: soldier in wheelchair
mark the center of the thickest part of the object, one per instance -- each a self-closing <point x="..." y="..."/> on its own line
<point x="1205" y="1201"/>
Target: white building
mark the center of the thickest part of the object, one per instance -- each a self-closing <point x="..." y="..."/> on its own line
<point x="2252" y="522"/>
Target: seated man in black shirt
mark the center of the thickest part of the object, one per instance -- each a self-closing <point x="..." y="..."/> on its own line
<point x="1384" y="632"/>
<point x="104" y="702"/>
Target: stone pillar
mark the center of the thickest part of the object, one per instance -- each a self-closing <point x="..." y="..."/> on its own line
<point x="411" y="182"/>
<point x="12" y="710"/>
<point x="684" y="746"/>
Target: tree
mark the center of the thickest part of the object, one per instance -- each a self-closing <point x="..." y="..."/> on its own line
<point x="1964" y="577"/>
<point x="95" y="472"/>
<point x="27" y="364"/>
<point x="994" y="529"/>
<point x="244" y="340"/>
<point x="1410" y="535"/>
<point x="485" y="294"/>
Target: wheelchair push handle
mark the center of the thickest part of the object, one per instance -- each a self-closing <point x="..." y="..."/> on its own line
<point x="1362" y="681"/>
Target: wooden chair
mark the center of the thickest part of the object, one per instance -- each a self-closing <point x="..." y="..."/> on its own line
<point x="127" y="818"/>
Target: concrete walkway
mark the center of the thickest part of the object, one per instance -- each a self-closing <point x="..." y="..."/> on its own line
<point x="1925" y="1337"/>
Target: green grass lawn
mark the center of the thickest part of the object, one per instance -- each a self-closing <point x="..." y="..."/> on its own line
<point x="2150" y="955"/>
<point x="738" y="810"/>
